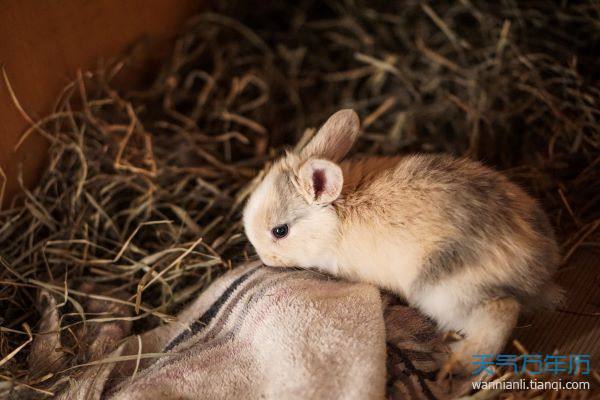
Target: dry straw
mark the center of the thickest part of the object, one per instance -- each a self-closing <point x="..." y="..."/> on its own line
<point x="144" y="188"/>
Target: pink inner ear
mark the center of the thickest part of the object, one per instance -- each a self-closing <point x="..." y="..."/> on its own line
<point x="318" y="182"/>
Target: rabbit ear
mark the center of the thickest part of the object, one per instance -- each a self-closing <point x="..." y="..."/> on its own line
<point x="320" y="181"/>
<point x="335" y="138"/>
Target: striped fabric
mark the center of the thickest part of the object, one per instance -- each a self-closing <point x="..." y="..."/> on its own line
<point x="263" y="333"/>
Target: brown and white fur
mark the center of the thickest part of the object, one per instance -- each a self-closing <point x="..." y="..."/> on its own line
<point x="457" y="240"/>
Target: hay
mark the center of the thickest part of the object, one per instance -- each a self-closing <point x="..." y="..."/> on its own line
<point x="144" y="188"/>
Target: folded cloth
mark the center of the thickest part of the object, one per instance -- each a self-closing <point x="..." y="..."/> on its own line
<point x="266" y="333"/>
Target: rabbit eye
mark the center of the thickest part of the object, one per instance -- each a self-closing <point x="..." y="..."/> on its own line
<point x="280" y="231"/>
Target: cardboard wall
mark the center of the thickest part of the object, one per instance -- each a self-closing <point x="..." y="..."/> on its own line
<point x="43" y="43"/>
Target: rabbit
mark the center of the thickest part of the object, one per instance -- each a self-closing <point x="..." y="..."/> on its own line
<point x="455" y="239"/>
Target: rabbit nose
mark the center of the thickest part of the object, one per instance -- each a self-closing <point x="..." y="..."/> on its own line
<point x="270" y="261"/>
<point x="266" y="260"/>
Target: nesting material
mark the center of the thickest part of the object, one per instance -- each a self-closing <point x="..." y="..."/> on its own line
<point x="256" y="333"/>
<point x="144" y="188"/>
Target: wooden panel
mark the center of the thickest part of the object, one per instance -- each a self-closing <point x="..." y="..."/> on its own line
<point x="43" y="43"/>
<point x="576" y="330"/>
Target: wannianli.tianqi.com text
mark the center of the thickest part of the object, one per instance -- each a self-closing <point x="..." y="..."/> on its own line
<point x="531" y="384"/>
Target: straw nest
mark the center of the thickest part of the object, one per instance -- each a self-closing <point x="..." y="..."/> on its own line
<point x="144" y="187"/>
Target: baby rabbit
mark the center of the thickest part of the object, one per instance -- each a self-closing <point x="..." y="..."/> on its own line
<point x="456" y="239"/>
